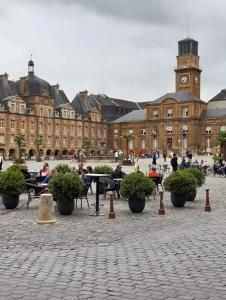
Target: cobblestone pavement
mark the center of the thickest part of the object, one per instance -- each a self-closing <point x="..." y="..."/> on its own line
<point x="177" y="256"/>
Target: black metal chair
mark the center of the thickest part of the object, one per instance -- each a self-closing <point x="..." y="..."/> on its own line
<point x="83" y="196"/>
<point x="109" y="185"/>
<point x="158" y="181"/>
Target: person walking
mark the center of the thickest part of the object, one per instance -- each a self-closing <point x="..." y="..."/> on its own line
<point x="154" y="158"/>
<point x="116" y="155"/>
<point x="174" y="162"/>
<point x="1" y="162"/>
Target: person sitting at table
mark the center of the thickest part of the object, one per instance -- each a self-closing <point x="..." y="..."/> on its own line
<point x="44" y="171"/>
<point x="48" y="177"/>
<point x="86" y="179"/>
<point x="89" y="169"/>
<point x="118" y="173"/>
<point x="153" y="172"/>
<point x="80" y="168"/>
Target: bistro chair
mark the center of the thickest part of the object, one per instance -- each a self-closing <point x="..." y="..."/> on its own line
<point x="83" y="196"/>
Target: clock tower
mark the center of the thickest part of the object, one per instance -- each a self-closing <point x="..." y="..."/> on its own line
<point x="188" y="70"/>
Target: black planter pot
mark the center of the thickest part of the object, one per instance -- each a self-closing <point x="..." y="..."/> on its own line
<point x="136" y="205"/>
<point x="178" y="200"/>
<point x="10" y="202"/>
<point x="65" y="207"/>
<point x="191" y="195"/>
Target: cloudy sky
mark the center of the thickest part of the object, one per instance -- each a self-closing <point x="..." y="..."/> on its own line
<point x="123" y="48"/>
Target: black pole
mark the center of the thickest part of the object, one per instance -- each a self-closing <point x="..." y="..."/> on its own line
<point x="97" y="195"/>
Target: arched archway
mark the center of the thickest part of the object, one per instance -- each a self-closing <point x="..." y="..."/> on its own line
<point x="31" y="153"/>
<point x="65" y="152"/>
<point x="57" y="152"/>
<point x="48" y="152"/>
<point x="71" y="152"/>
<point x="2" y="152"/>
<point x="12" y="153"/>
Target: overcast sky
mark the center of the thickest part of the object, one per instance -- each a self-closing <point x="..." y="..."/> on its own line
<point x="123" y="48"/>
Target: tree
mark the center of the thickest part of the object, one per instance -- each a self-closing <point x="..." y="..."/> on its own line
<point x="38" y="144"/>
<point x="129" y="137"/>
<point x="87" y="145"/>
<point x="19" y="140"/>
<point x="221" y="137"/>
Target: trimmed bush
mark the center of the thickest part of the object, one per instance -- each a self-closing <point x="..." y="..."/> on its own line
<point x="136" y="185"/>
<point x="198" y="174"/>
<point x="63" y="168"/>
<point x="65" y="187"/>
<point x="103" y="170"/>
<point x="11" y="182"/>
<point x="180" y="183"/>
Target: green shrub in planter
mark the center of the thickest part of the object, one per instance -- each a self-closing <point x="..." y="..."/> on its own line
<point x="11" y="186"/>
<point x="135" y="187"/>
<point x="179" y="183"/>
<point x="103" y="170"/>
<point x="198" y="174"/>
<point x="63" y="168"/>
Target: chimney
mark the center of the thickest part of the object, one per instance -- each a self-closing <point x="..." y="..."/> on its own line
<point x="55" y="88"/>
<point x="4" y="79"/>
<point x="84" y="94"/>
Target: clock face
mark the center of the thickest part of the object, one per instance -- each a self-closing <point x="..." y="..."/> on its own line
<point x="184" y="79"/>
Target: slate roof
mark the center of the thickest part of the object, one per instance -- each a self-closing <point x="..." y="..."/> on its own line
<point x="133" y="116"/>
<point x="59" y="97"/>
<point x="7" y="90"/>
<point x="213" y="113"/>
<point x="34" y="86"/>
<point x="219" y="97"/>
<point x="178" y="96"/>
<point x="83" y="105"/>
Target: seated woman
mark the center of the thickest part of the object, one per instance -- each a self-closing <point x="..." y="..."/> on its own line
<point x="44" y="171"/>
<point x="48" y="177"/>
<point x="153" y="172"/>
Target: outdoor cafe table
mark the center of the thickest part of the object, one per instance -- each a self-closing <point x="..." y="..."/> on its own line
<point x="97" y="179"/>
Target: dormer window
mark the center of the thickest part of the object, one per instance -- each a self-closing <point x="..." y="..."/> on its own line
<point x="12" y="107"/>
<point x="185" y="112"/>
<point x="169" y="112"/>
<point x="143" y="132"/>
<point x="155" y="114"/>
<point x="208" y="130"/>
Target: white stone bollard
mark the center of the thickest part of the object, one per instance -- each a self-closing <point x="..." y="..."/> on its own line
<point x="46" y="214"/>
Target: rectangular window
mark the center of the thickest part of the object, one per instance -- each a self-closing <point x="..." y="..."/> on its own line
<point x="32" y="125"/>
<point x="12" y="107"/>
<point x="184" y="129"/>
<point x="185" y="112"/>
<point x="143" y="131"/>
<point x="155" y="114"/>
<point x="12" y="123"/>
<point x="40" y="127"/>
<point x="22" y="125"/>
<point x="169" y="129"/>
<point x="2" y="123"/>
<point x="49" y="128"/>
<point x="2" y="138"/>
<point x="57" y="127"/>
<point x="12" y="137"/>
<point x="115" y="132"/>
<point x="169" y="113"/>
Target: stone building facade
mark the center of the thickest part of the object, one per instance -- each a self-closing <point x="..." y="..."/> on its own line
<point x="179" y="120"/>
<point x="34" y="108"/>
